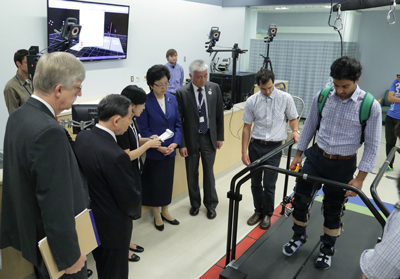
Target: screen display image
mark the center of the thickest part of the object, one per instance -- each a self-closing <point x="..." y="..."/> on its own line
<point x="103" y="34"/>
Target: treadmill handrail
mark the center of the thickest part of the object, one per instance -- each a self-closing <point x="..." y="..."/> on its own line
<point x="233" y="220"/>
<point x="312" y="178"/>
<point x="378" y="178"/>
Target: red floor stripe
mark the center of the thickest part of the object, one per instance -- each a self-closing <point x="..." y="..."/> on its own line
<point x="213" y="273"/>
<point x="250" y="239"/>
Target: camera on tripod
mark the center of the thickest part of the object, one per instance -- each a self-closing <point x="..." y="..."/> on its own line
<point x="272" y="30"/>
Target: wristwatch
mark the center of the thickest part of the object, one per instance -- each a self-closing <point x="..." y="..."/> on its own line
<point x="297" y="131"/>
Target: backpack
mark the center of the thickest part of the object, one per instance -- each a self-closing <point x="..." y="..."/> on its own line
<point x="365" y="109"/>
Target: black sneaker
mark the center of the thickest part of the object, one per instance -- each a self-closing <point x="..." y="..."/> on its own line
<point x="294" y="244"/>
<point x="324" y="259"/>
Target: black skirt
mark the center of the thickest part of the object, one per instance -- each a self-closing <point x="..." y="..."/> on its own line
<point x="157" y="181"/>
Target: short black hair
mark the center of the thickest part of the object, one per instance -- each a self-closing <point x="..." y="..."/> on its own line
<point x="20" y="55"/>
<point x="171" y="52"/>
<point x="263" y="76"/>
<point x="113" y="104"/>
<point x="134" y="93"/>
<point x="157" y="72"/>
<point x="347" y="68"/>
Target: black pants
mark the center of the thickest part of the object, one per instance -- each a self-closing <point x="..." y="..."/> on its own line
<point x="336" y="170"/>
<point x="207" y="153"/>
<point x="112" y="263"/>
<point x="263" y="188"/>
<point x="390" y="135"/>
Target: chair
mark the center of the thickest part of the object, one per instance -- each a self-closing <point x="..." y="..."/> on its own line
<point x="385" y="105"/>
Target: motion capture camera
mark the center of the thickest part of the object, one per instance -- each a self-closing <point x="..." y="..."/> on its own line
<point x="70" y="29"/>
<point x="213" y="37"/>
<point x="69" y="32"/>
<point x="272" y="29"/>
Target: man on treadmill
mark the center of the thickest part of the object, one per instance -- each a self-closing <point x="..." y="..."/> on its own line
<point x="334" y="157"/>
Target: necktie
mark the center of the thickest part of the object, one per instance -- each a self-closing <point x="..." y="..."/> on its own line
<point x="202" y="114"/>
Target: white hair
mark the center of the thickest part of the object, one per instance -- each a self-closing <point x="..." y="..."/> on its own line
<point x="57" y="68"/>
<point x="198" y="66"/>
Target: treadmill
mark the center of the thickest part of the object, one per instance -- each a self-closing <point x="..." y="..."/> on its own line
<point x="264" y="259"/>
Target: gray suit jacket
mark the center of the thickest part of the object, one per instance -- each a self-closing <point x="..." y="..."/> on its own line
<point x="189" y="113"/>
<point x="43" y="188"/>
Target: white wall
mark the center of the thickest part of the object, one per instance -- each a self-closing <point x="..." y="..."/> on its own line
<point x="154" y="27"/>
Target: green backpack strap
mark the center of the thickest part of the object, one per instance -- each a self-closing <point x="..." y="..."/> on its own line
<point x="323" y="95"/>
<point x="365" y="112"/>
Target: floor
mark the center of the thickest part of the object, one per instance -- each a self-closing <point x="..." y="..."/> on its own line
<point x="189" y="250"/>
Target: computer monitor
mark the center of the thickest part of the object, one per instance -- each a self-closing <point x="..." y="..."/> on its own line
<point x="83" y="114"/>
<point x="104" y="29"/>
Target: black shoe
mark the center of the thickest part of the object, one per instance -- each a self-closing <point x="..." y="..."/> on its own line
<point x="254" y="219"/>
<point x="160" y="228"/>
<point x="89" y="273"/>
<point x="211" y="214"/>
<point x="173" y="222"/>
<point x="194" y="211"/>
<point x="134" y="258"/>
<point x="139" y="249"/>
<point x="265" y="222"/>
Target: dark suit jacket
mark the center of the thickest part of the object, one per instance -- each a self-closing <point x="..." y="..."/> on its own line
<point x="43" y="189"/>
<point x="190" y="115"/>
<point x="153" y="121"/>
<point x="114" y="196"/>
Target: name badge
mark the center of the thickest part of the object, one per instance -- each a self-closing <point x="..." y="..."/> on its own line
<point x="201" y="119"/>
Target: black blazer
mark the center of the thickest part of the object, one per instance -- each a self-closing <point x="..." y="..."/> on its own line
<point x="189" y="113"/>
<point x="114" y="196"/>
<point x="43" y="189"/>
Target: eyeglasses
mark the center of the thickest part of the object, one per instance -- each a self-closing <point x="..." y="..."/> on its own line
<point x="162" y="85"/>
<point x="398" y="75"/>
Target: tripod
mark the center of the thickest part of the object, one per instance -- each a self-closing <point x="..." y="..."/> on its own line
<point x="267" y="61"/>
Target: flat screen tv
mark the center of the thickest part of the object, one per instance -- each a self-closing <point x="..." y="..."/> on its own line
<point x="104" y="32"/>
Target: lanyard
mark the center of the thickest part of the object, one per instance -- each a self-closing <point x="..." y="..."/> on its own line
<point x="137" y="140"/>
<point x="24" y="86"/>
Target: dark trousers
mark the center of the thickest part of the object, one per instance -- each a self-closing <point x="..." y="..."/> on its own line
<point x="207" y="153"/>
<point x="263" y="188"/>
<point x="112" y="263"/>
<point x="42" y="273"/>
<point x="390" y="135"/>
<point x="336" y="170"/>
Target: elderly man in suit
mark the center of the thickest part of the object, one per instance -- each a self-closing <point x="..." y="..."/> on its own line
<point x="114" y="195"/>
<point x="43" y="189"/>
<point x="201" y="108"/>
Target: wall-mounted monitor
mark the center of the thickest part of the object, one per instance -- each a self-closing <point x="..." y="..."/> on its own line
<point x="104" y="31"/>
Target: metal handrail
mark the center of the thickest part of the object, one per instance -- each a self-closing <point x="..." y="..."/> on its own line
<point x="234" y="195"/>
<point x="378" y="178"/>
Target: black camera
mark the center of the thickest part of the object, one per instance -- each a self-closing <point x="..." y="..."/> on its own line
<point x="272" y="29"/>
